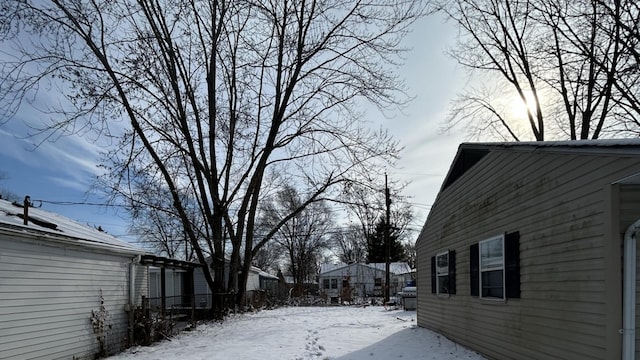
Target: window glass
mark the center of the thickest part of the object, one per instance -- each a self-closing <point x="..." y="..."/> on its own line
<point x="325" y="283"/>
<point x="442" y="273"/>
<point x="492" y="268"/>
<point x="492" y="284"/>
<point x="442" y="264"/>
<point x="334" y="283"/>
<point x="491" y="254"/>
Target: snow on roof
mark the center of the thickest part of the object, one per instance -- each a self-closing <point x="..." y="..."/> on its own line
<point x="324" y="268"/>
<point x="598" y="143"/>
<point x="59" y="227"/>
<point x="394" y="267"/>
<point x="263" y="273"/>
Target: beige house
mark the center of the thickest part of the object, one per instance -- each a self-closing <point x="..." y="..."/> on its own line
<point x="529" y="250"/>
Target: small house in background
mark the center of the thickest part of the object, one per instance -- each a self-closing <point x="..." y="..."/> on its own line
<point x="259" y="285"/>
<point x="529" y="250"/>
<point x="65" y="288"/>
<point x="347" y="282"/>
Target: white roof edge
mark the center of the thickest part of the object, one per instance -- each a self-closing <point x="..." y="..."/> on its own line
<point x="67" y="240"/>
<point x="62" y="230"/>
<point x="562" y="143"/>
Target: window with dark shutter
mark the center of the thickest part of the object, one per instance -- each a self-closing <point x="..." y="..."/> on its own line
<point x="512" y="264"/>
<point x="474" y="270"/>
<point x="443" y="273"/>
<point x="452" y="272"/>
<point x="433" y="274"/>
<point x="494" y="267"/>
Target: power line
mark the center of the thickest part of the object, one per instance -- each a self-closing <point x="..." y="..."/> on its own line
<point x="52" y="202"/>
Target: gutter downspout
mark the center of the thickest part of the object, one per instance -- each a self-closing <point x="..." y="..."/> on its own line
<point x="629" y="292"/>
<point x="132" y="295"/>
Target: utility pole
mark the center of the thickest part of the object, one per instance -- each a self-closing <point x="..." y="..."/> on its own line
<point x="387" y="242"/>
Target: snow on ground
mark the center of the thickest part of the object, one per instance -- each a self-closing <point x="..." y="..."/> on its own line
<point x="306" y="333"/>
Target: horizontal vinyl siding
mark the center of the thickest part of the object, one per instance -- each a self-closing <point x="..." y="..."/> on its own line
<point x="556" y="202"/>
<point x="47" y="294"/>
<point x="629" y="213"/>
<point x="141" y="285"/>
<point x="201" y="289"/>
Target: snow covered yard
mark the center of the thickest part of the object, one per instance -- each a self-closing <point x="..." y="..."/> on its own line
<point x="301" y="333"/>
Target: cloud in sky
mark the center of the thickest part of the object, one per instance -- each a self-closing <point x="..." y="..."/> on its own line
<point x="70" y="156"/>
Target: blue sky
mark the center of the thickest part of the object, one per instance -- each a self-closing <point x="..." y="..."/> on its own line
<point x="63" y="170"/>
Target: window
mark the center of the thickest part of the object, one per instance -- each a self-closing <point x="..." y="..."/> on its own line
<point x="329" y="283"/>
<point x="443" y="273"/>
<point x="494" y="267"/>
<point x="377" y="282"/>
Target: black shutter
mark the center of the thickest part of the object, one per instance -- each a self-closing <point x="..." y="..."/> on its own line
<point x="512" y="264"/>
<point x="452" y="272"/>
<point x="433" y="274"/>
<point x="474" y="269"/>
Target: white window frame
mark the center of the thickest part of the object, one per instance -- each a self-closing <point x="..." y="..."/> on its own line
<point x="493" y="265"/>
<point x="442" y="272"/>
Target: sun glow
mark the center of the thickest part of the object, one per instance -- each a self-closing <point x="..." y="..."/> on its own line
<point x="520" y="108"/>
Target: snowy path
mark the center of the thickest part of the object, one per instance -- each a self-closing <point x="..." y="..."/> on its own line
<point x="308" y="333"/>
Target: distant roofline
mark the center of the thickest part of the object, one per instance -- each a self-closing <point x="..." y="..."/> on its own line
<point x="369" y="265"/>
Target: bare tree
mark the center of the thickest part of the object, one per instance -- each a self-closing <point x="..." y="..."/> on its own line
<point x="366" y="206"/>
<point x="568" y="61"/>
<point x="304" y="237"/>
<point x="410" y="253"/>
<point x="269" y="257"/>
<point x="154" y="221"/>
<point x="349" y="245"/>
<point x="212" y="94"/>
<point x="7" y="194"/>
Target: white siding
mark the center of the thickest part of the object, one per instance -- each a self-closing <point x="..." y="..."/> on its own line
<point x="361" y="280"/>
<point x="141" y="285"/>
<point x="253" y="281"/>
<point x="201" y="289"/>
<point x="47" y="294"/>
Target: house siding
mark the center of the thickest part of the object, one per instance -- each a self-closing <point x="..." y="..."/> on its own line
<point x="629" y="213"/>
<point x="362" y="279"/>
<point x="201" y="289"/>
<point x="557" y="203"/>
<point x="48" y="293"/>
<point x="141" y="284"/>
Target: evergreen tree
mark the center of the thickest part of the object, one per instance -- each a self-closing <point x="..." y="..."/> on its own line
<point x="376" y="246"/>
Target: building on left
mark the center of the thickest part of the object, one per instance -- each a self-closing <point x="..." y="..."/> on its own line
<point x="66" y="289"/>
